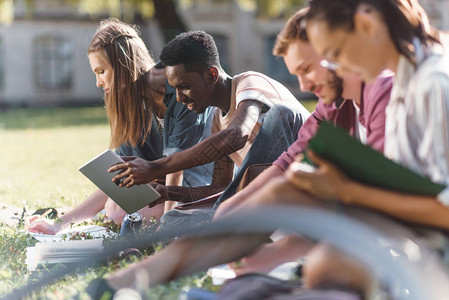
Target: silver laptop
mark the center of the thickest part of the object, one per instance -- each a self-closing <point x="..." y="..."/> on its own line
<point x="130" y="199"/>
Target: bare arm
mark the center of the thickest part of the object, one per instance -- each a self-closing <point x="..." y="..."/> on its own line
<point x="85" y="210"/>
<point x="328" y="182"/>
<point x="425" y="210"/>
<point x="225" y="142"/>
<point x="222" y="176"/>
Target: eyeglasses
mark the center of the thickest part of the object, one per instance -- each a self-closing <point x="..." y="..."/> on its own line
<point x="328" y="63"/>
<point x="333" y="66"/>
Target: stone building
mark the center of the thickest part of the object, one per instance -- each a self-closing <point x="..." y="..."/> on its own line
<point x="43" y="58"/>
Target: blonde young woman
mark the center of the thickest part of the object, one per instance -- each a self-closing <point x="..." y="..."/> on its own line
<point x="145" y="119"/>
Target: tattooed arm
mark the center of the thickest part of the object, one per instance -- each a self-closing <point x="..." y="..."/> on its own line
<point x="218" y="145"/>
<point x="222" y="176"/>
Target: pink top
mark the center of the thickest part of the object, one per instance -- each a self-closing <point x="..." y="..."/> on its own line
<point x="375" y="97"/>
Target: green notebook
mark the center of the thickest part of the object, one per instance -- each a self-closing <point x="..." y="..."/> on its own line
<point x="366" y="165"/>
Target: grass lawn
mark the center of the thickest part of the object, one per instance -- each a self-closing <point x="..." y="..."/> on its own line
<point x="41" y="151"/>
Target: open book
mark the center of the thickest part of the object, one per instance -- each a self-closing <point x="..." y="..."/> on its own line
<point x="362" y="163"/>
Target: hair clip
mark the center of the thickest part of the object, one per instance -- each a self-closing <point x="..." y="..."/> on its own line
<point x="120" y="35"/>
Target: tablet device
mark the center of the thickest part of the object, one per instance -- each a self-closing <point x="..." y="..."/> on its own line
<point x="130" y="199"/>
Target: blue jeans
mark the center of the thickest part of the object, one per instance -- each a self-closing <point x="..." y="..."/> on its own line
<point x="186" y="218"/>
<point x="279" y="130"/>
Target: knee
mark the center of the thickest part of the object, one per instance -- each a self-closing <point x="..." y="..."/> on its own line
<point x="328" y="267"/>
<point x="283" y="116"/>
<point x="251" y="173"/>
<point x="279" y="112"/>
<point x="319" y="262"/>
<point x="271" y="193"/>
<point x="114" y="212"/>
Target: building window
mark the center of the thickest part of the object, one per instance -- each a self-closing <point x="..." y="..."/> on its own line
<point x="222" y="45"/>
<point x="53" y="57"/>
<point x="276" y="68"/>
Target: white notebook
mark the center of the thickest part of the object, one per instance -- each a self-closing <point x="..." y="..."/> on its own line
<point x="130" y="199"/>
<point x="66" y="252"/>
<point x="95" y="231"/>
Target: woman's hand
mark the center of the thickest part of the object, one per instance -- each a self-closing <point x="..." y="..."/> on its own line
<point x="134" y="170"/>
<point x="326" y="182"/>
<point x="42" y="225"/>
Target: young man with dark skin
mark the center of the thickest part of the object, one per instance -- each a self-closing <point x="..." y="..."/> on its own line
<point x="256" y="119"/>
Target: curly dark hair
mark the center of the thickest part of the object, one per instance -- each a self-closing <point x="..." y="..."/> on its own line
<point x="196" y="50"/>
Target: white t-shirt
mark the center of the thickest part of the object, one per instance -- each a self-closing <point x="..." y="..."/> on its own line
<point x="360" y="130"/>
<point x="417" y="116"/>
<point x="253" y="86"/>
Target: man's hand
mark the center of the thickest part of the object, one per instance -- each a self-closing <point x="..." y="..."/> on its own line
<point x="134" y="170"/>
<point x="161" y="189"/>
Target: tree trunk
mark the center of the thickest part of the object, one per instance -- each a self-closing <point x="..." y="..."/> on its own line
<point x="169" y="21"/>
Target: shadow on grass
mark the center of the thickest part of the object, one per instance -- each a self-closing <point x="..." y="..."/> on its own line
<point x="36" y="118"/>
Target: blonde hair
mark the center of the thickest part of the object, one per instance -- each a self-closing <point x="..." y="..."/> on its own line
<point x="294" y="30"/>
<point x="129" y="105"/>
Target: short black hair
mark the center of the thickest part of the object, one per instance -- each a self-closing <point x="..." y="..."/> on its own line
<point x="196" y="50"/>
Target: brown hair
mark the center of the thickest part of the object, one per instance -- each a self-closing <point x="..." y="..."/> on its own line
<point x="405" y="20"/>
<point x="294" y="29"/>
<point x="129" y="105"/>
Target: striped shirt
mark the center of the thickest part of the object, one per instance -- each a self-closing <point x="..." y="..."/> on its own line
<point x="417" y="116"/>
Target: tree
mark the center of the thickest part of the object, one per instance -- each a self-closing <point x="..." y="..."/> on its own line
<point x="6" y="11"/>
<point x="164" y="11"/>
<point x="269" y="9"/>
<point x="169" y="21"/>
